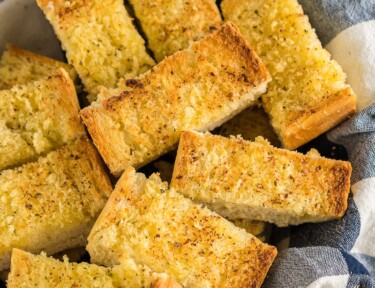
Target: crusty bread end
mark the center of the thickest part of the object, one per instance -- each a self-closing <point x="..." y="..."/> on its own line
<point x="28" y="270"/>
<point x="312" y="123"/>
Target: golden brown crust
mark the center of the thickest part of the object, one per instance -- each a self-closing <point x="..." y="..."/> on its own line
<point x="69" y="100"/>
<point x="337" y="196"/>
<point x="198" y="88"/>
<point x="161" y="228"/>
<point x="292" y="188"/>
<point x="314" y="123"/>
<point x="107" y="151"/>
<point x="308" y="94"/>
<point x="19" y="264"/>
<point x="170" y="26"/>
<point x="99" y="176"/>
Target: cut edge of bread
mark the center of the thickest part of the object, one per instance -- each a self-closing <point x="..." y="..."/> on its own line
<point x="308" y="127"/>
<point x="69" y="100"/>
<point x="98" y="169"/>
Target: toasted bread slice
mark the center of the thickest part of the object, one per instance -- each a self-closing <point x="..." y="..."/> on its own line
<point x="198" y="88"/>
<point x="19" y="66"/>
<point x="250" y="123"/>
<point x="170" y="26"/>
<point x="253" y="180"/>
<point x="28" y="270"/>
<point x="308" y="94"/>
<point x="50" y="205"/>
<point x="160" y="228"/>
<point x="99" y="39"/>
<point x="37" y="118"/>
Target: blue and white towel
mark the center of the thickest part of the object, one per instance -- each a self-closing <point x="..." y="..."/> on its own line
<point x="341" y="253"/>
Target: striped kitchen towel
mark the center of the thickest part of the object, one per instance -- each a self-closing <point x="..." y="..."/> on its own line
<point x="341" y="253"/>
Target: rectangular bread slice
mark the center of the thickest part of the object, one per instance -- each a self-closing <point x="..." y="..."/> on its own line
<point x="28" y="270"/>
<point x="160" y="228"/>
<point x="197" y="88"/>
<point x="51" y="205"/>
<point x="38" y="117"/>
<point x="171" y="25"/>
<point x="19" y="66"/>
<point x="307" y="95"/>
<point x="253" y="180"/>
<point x="99" y="39"/>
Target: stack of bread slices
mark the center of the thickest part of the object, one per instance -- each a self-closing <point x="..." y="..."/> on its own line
<point x="260" y="73"/>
